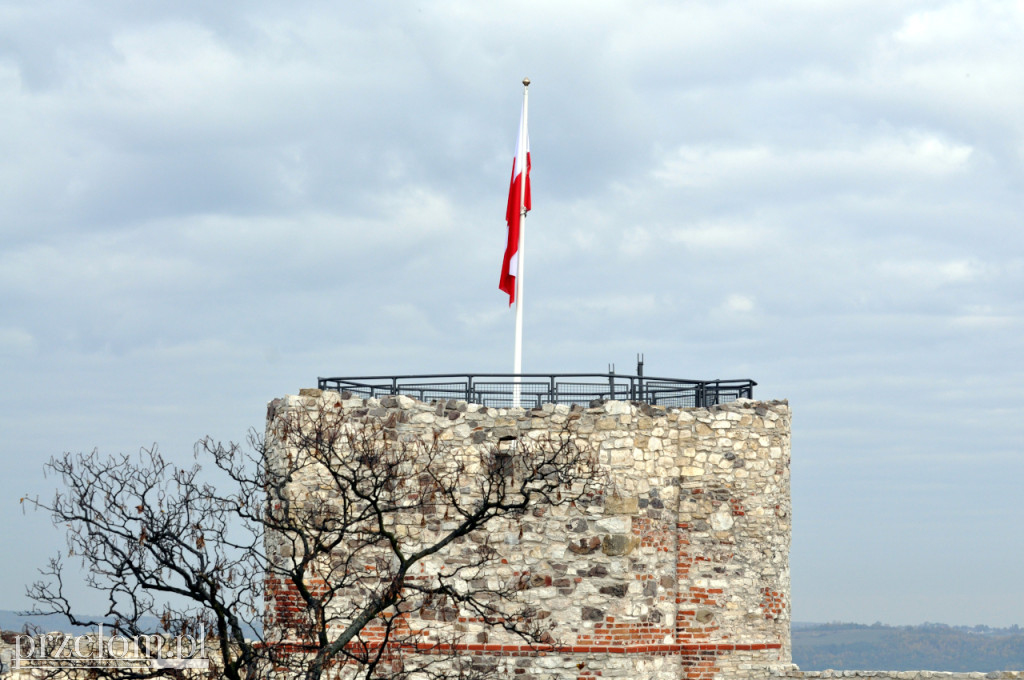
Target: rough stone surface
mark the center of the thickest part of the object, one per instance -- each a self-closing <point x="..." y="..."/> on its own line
<point x="678" y="567"/>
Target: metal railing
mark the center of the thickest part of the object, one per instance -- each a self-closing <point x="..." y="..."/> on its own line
<point x="496" y="389"/>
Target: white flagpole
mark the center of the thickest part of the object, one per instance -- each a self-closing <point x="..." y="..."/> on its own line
<point x="517" y="361"/>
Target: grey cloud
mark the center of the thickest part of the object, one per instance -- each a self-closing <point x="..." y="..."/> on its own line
<point x="204" y="206"/>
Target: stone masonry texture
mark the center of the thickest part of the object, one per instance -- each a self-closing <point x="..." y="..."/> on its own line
<point x="678" y="568"/>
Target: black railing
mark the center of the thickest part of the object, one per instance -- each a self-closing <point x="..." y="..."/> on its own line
<point x="498" y="389"/>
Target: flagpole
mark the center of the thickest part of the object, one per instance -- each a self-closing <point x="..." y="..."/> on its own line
<point x="517" y="360"/>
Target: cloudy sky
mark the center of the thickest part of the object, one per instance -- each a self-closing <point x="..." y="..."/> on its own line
<point x="204" y="206"/>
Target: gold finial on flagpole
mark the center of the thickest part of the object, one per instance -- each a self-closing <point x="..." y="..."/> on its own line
<point x="526" y="82"/>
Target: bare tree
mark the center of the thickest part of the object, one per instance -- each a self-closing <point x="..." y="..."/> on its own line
<point x="345" y="531"/>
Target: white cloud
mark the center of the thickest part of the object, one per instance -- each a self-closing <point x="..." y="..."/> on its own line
<point x="913" y="155"/>
<point x="824" y="196"/>
<point x="408" y="319"/>
<point x="985" y="318"/>
<point x="97" y="267"/>
<point x="720" y="235"/>
<point x="604" y="304"/>
<point x="198" y="350"/>
<point x="934" y="273"/>
<point x="740" y="304"/>
<point x="16" y="341"/>
<point x="479" y="319"/>
<point x="635" y="241"/>
<point x="960" y="24"/>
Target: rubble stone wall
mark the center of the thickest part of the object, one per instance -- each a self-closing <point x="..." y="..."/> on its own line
<point x="678" y="568"/>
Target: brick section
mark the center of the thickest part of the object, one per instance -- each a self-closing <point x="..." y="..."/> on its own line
<point x="285" y="607"/>
<point x="773" y="603"/>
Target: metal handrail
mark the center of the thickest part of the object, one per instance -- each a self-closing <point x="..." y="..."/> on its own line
<point x="496" y="389"/>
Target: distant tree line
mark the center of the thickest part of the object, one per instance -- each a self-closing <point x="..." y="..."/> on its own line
<point x="930" y="646"/>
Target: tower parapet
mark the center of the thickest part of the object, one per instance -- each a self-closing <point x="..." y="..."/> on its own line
<point x="535" y="389"/>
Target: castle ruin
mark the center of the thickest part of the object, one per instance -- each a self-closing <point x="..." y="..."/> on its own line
<point x="678" y="568"/>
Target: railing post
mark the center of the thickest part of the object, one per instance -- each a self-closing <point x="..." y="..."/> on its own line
<point x="640" y="378"/>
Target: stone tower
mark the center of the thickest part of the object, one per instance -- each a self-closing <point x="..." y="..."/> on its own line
<point x="678" y="568"/>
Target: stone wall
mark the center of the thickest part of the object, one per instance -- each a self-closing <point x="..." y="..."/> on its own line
<point x="678" y="568"/>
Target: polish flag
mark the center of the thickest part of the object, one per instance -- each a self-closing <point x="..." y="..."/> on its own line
<point x="514" y="212"/>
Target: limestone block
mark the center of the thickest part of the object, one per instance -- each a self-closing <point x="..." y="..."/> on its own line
<point x="612" y="525"/>
<point x="621" y="457"/>
<point x="722" y="518"/>
<point x="618" y="544"/>
<point x="618" y="408"/>
<point x="625" y="505"/>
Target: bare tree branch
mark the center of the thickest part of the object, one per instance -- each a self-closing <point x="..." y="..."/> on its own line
<point x="166" y="542"/>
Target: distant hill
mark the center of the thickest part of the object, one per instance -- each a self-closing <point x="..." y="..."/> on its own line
<point x="839" y="646"/>
<point x="12" y="621"/>
<point x="930" y="646"/>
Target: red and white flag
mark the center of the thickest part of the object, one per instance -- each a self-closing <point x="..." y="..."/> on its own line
<point x="518" y="203"/>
